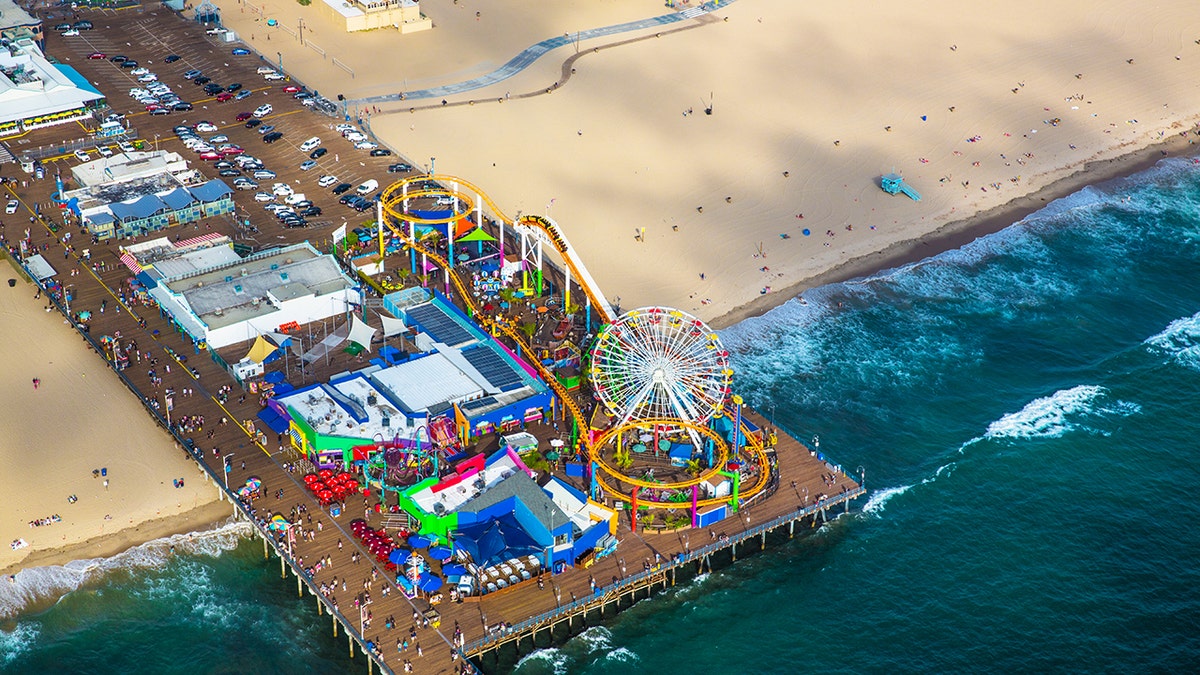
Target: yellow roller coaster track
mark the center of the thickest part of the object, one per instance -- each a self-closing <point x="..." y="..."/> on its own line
<point x="391" y="201"/>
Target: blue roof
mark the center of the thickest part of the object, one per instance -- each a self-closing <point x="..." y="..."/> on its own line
<point x="178" y="199"/>
<point x="498" y="371"/>
<point x="101" y="217"/>
<point x="211" y="191"/>
<point x="78" y="80"/>
<point x="440" y="325"/>
<point x="143" y="207"/>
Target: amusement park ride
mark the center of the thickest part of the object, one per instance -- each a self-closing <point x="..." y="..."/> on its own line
<point x="672" y="433"/>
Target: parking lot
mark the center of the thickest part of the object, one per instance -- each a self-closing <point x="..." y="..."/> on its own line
<point x="149" y="37"/>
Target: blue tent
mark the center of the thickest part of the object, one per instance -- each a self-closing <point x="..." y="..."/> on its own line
<point x="429" y="582"/>
<point x="453" y="569"/>
<point x="399" y="556"/>
<point x="418" y="541"/>
<point x="496" y="540"/>
<point x="440" y="552"/>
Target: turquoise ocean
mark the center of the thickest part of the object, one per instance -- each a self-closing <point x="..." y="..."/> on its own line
<point x="1026" y="410"/>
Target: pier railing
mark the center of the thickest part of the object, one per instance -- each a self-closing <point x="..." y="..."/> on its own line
<point x="640" y="579"/>
<point x="217" y="480"/>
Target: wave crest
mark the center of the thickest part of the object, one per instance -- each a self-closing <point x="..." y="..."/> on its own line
<point x="1179" y="341"/>
<point x="1063" y="411"/>
<point x="41" y="584"/>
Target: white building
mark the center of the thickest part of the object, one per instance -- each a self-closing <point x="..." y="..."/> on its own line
<point x="223" y="299"/>
<point x="128" y="166"/>
<point x="35" y="93"/>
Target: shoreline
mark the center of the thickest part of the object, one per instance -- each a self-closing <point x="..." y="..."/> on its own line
<point x="958" y="233"/>
<point x="200" y="519"/>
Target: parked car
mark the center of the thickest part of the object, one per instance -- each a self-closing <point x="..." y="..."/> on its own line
<point x="250" y="124"/>
<point x="215" y="30"/>
<point x="129" y="64"/>
<point x="367" y="187"/>
<point x="273" y="77"/>
<point x="11" y="207"/>
<point x="148" y="77"/>
<point x="266" y="129"/>
<point x="311" y="211"/>
<point x="264" y="174"/>
<point x="318" y="153"/>
<point x="366" y="145"/>
<point x="189" y="75"/>
<point x="119" y="58"/>
<point x="229" y="172"/>
<point x="83" y="25"/>
<point x="206" y="127"/>
<point x="182" y="106"/>
<point x="292" y="88"/>
<point x="171" y="58"/>
<point x="308" y="164"/>
<point x="243" y="94"/>
<point x="327" y="180"/>
<point x="311" y="143"/>
<point x="272" y="137"/>
<point x="210" y="156"/>
<point x="70" y="33"/>
<point x="140" y="70"/>
<point x="233" y="87"/>
<point x="214" y="89"/>
<point x="201" y="80"/>
<point x="244" y="183"/>
<point x="241" y="51"/>
<point x="264" y="197"/>
<point x="82" y="155"/>
<point x="263" y="110"/>
<point x="265" y="70"/>
<point x="400" y="167"/>
<point x="224" y="96"/>
<point x="380" y="152"/>
<point x="97" y="55"/>
<point x="342" y="187"/>
<point x="161" y="111"/>
<point x="125" y="146"/>
<point x="282" y="189"/>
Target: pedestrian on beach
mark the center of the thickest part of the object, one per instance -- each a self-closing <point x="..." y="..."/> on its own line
<point x="36" y="383"/>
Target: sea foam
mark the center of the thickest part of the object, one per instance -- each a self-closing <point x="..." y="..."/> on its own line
<point x="1179" y="341"/>
<point x="551" y="657"/>
<point x="42" y="584"/>
<point x="1063" y="411"/>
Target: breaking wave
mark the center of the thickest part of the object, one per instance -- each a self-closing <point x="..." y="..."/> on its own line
<point x="1179" y="341"/>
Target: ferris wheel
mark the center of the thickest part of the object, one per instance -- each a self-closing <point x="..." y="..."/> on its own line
<point x="660" y="363"/>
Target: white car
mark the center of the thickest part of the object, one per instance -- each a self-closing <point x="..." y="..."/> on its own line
<point x="136" y="92"/>
<point x="82" y="155"/>
<point x="327" y="180"/>
<point x="219" y="138"/>
<point x="265" y="70"/>
<point x="263" y="110"/>
<point x="355" y="136"/>
<point x="343" y="128"/>
<point x="11" y="207"/>
<point x="148" y="77"/>
<point x="243" y="160"/>
<point x="366" y="145"/>
<point x="140" y="70"/>
<point x="310" y="145"/>
<point x="215" y="30"/>
<point x="104" y="151"/>
<point x="70" y="33"/>
<point x="282" y="189"/>
<point x="206" y="127"/>
<point x="264" y="197"/>
<point x="273" y="77"/>
<point x="125" y="146"/>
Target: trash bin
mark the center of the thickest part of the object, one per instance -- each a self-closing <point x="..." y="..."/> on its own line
<point x="104" y="471"/>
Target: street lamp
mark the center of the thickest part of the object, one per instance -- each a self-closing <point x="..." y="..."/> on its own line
<point x="280" y="55"/>
<point x="432" y="170"/>
<point x="156" y="142"/>
<point x="225" y="466"/>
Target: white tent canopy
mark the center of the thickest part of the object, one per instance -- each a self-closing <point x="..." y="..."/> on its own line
<point x="392" y="326"/>
<point x="361" y="333"/>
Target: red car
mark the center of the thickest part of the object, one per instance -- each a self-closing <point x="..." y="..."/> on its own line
<point x="151" y="107"/>
<point x="243" y="116"/>
<point x="210" y="156"/>
<point x="224" y="96"/>
<point x="230" y="152"/>
<point x="291" y="89"/>
<point x="97" y="55"/>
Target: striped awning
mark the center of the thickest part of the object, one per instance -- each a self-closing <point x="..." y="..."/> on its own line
<point x="198" y="240"/>
<point x="131" y="262"/>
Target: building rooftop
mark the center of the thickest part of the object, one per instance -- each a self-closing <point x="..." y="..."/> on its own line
<point x="352" y="407"/>
<point x="123" y="167"/>
<point x="432" y="382"/>
<point x="12" y="15"/>
<point x="30" y="86"/>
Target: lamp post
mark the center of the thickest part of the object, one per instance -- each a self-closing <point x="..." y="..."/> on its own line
<point x="228" y="461"/>
<point x="280" y="55"/>
<point x="432" y="169"/>
<point x="156" y="142"/>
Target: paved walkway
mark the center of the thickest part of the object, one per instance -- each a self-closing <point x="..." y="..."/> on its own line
<point x="528" y="56"/>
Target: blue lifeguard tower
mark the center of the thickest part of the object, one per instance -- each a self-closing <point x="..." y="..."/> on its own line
<point x="893" y="183"/>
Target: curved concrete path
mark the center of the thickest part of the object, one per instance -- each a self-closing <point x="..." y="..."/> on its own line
<point x="528" y="56"/>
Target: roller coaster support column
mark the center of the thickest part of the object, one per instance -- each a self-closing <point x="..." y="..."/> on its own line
<point x="524" y="265"/>
<point x="633" y="507"/>
<point x="695" y="498"/>
<point x="500" y="221"/>
<point x="538" y="242"/>
<point x="588" y="309"/>
<point x="567" y="289"/>
<point x="379" y="227"/>
<point x="595" y="484"/>
<point x="737" y="425"/>
<point x="412" y="252"/>
<point x="450" y="227"/>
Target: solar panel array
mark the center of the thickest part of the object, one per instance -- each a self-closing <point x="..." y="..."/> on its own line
<point x="492" y="366"/>
<point x="478" y="403"/>
<point x="438" y="324"/>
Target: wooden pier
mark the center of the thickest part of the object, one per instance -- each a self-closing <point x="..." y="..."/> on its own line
<point x="803" y="492"/>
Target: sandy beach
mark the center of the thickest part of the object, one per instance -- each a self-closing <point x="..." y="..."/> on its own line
<point x="80" y="418"/>
<point x="811" y="104"/>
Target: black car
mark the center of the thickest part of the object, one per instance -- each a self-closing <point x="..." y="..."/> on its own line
<point x="303" y="204"/>
<point x="250" y="124"/>
<point x="62" y="26"/>
<point x="233" y="87"/>
<point x="171" y="58"/>
<point x="182" y="106"/>
<point x="213" y="89"/>
<point x="296" y="223"/>
<point x="399" y="168"/>
<point x="83" y="25"/>
<point x="340" y="188"/>
<point x="229" y="172"/>
<point x="381" y="152"/>
<point x="318" y="153"/>
<point x="272" y="137"/>
<point x="119" y="58"/>
<point x="129" y="63"/>
<point x="201" y="80"/>
<point x="345" y="199"/>
<point x="311" y="211"/>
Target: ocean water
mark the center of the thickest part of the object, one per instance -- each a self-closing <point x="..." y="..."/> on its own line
<point x="1026" y="411"/>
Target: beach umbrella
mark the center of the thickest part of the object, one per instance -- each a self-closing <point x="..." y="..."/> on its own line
<point x="418" y="541"/>
<point x="440" y="552"/>
<point x="325" y="474"/>
<point x="453" y="569"/>
<point x="311" y="478"/>
<point x="429" y="582"/>
<point x="399" y="556"/>
<point x="325" y="496"/>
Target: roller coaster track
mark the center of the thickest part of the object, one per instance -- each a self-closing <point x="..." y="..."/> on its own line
<point x="391" y="201"/>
